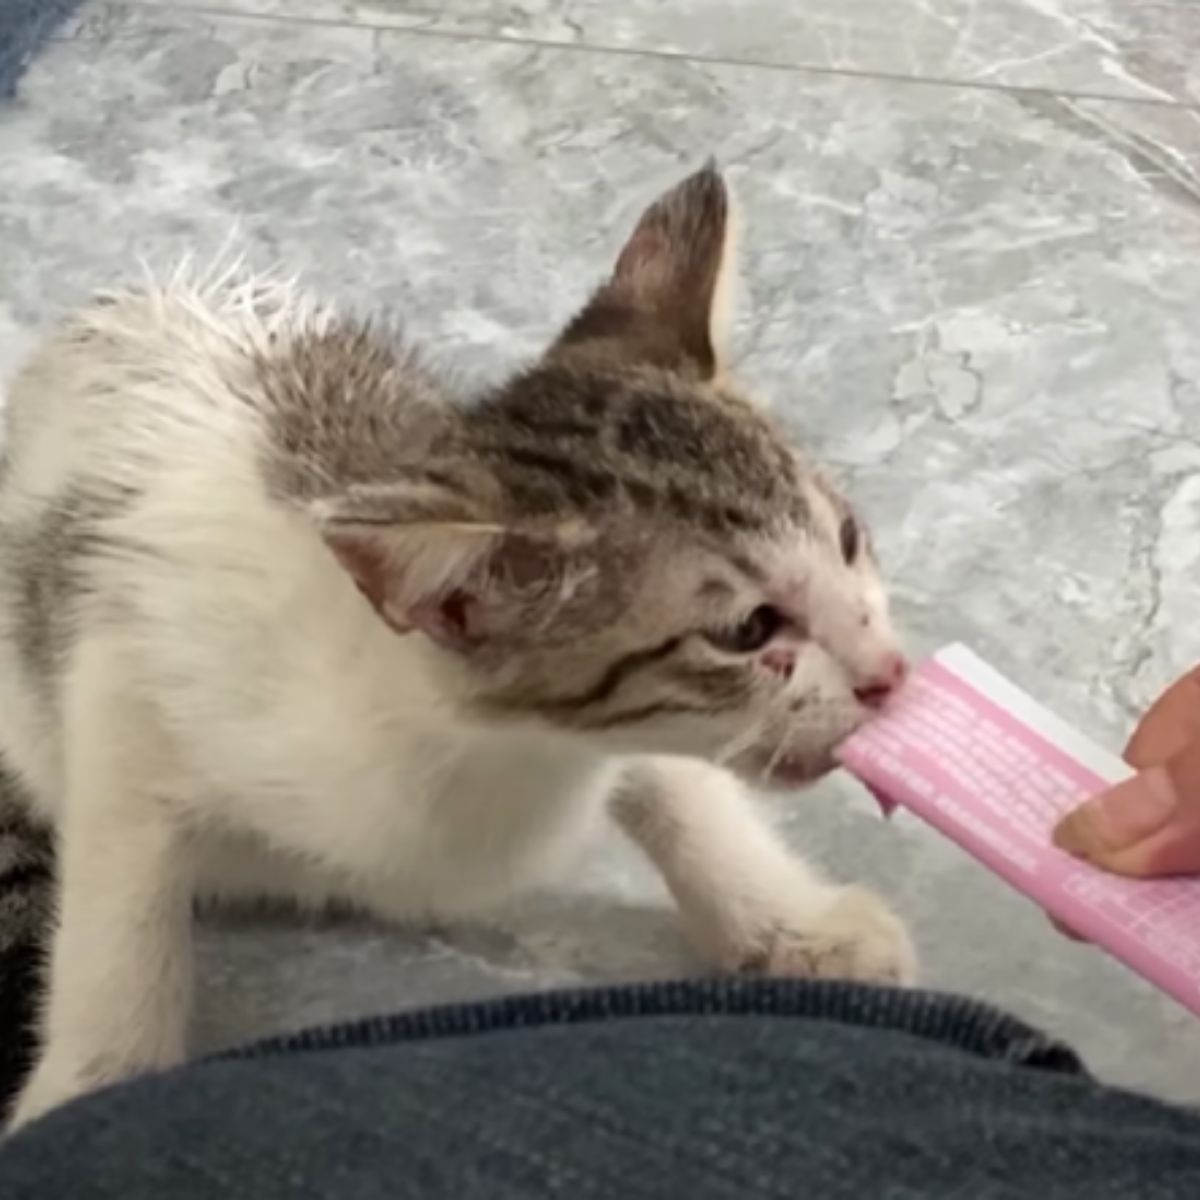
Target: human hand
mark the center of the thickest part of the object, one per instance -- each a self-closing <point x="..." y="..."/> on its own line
<point x="1150" y="824"/>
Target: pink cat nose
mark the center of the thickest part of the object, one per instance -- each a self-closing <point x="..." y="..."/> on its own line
<point x="875" y="692"/>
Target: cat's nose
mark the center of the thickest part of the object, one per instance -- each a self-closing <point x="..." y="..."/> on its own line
<point x="892" y="672"/>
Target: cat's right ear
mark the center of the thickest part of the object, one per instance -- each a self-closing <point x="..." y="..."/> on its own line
<point x="427" y="561"/>
<point x="667" y="302"/>
<point x="406" y="545"/>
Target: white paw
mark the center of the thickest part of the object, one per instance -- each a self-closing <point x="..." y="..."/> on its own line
<point x="855" y="936"/>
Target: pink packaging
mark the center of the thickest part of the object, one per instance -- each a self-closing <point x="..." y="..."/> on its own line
<point x="977" y="758"/>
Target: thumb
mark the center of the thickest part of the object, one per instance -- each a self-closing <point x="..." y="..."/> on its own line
<point x="1172" y="722"/>
<point x="1147" y="826"/>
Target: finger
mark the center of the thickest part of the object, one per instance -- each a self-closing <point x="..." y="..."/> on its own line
<point x="1171" y="723"/>
<point x="1146" y="826"/>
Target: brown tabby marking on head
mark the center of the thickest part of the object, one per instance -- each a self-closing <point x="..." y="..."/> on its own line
<point x="560" y="440"/>
<point x="613" y="678"/>
<point x="345" y="404"/>
<point x="722" y="684"/>
<point x="597" y="722"/>
<point x="639" y="439"/>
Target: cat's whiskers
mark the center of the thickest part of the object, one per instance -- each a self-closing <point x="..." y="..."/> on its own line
<point x="785" y="738"/>
<point x="772" y="762"/>
<point x="741" y="740"/>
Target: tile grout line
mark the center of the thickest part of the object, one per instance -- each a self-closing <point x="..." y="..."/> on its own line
<point x="672" y="56"/>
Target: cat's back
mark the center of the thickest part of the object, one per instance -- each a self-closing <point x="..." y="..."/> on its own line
<point x="245" y="369"/>
<point x="123" y="381"/>
<point x="159" y="449"/>
<point x="120" y="390"/>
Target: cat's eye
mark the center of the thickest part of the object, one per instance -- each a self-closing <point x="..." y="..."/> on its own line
<point x="849" y="539"/>
<point x="751" y="634"/>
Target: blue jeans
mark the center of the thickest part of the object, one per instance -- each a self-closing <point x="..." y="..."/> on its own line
<point x="728" y="1089"/>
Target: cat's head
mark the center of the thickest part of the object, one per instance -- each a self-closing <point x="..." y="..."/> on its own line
<point x="620" y="546"/>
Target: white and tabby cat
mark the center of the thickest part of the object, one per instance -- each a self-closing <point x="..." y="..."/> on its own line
<point x="278" y="616"/>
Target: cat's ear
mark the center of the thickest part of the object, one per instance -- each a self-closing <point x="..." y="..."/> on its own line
<point x="668" y="301"/>
<point x="431" y="564"/>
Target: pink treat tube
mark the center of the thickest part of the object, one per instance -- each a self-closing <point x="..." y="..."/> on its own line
<point x="981" y="761"/>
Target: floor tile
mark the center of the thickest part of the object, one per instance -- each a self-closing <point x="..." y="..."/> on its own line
<point x="1143" y="50"/>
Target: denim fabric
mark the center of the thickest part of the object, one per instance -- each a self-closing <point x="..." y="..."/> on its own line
<point x="722" y="1089"/>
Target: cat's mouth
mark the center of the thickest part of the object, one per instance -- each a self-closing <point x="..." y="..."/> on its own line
<point x="787" y="771"/>
<point x="789" y="767"/>
<point x="796" y="771"/>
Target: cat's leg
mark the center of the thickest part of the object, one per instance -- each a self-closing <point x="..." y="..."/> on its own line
<point x="242" y="871"/>
<point x="747" y="903"/>
<point x="120" y="968"/>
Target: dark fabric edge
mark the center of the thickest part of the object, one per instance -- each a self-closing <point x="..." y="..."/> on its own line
<point x="951" y="1021"/>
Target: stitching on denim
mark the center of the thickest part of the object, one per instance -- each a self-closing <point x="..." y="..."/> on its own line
<point x="951" y="1020"/>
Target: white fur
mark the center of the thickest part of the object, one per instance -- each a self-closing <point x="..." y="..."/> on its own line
<point x="236" y="720"/>
<point x="727" y="289"/>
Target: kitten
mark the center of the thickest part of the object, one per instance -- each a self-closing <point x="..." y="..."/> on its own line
<point x="278" y="616"/>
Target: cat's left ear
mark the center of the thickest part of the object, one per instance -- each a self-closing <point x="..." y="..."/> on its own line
<point x="429" y="563"/>
<point x="668" y="301"/>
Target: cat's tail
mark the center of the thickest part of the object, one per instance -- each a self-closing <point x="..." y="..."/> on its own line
<point x="26" y="917"/>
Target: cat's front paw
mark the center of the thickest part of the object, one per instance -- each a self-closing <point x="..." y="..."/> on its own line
<point x="856" y="936"/>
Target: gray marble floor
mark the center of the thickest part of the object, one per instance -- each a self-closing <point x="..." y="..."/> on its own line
<point x="973" y="269"/>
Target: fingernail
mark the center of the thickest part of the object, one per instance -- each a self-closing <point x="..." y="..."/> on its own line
<point x="1120" y="817"/>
